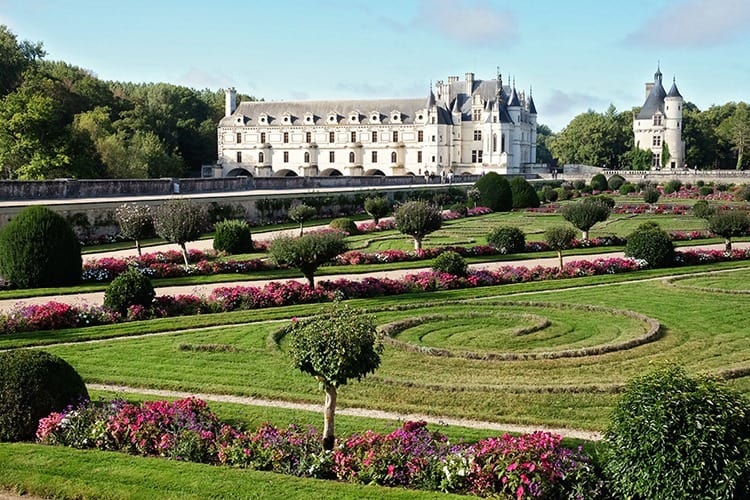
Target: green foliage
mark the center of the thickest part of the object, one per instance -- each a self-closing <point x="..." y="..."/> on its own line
<point x="128" y="289"/>
<point x="743" y="193"/>
<point x="38" y="248"/>
<point x="638" y="159"/>
<point x="418" y="219"/>
<point x="308" y="252"/>
<point x="550" y="194"/>
<point x="302" y="213"/>
<point x="705" y="190"/>
<point x="223" y="211"/>
<point x="677" y="436"/>
<point x="345" y="225"/>
<point x="672" y="186"/>
<point x="523" y="194"/>
<point x="559" y="237"/>
<point x="627" y="188"/>
<point x="598" y="139"/>
<point x="650" y="243"/>
<point x="585" y="214"/>
<point x="450" y="262"/>
<point x="136" y="222"/>
<point x="615" y="182"/>
<point x="377" y="207"/>
<point x="233" y="237"/>
<point x="599" y="182"/>
<point x="729" y="224"/>
<point x="180" y="221"/>
<point x="33" y="385"/>
<point x="650" y="195"/>
<point x="601" y="198"/>
<point x="507" y="239"/>
<point x="494" y="192"/>
<point x="703" y="210"/>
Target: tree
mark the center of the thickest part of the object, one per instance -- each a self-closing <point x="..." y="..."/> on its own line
<point x="523" y="194"/>
<point x="335" y="347"/>
<point x="494" y="192"/>
<point x="300" y="214"/>
<point x="584" y="214"/>
<point x="729" y="224"/>
<point x="15" y="58"/>
<point x="418" y="219"/>
<point x="307" y="252"/>
<point x="543" y="136"/>
<point x="592" y="138"/>
<point x="136" y="222"/>
<point x="651" y="195"/>
<point x="638" y="159"/>
<point x="665" y="155"/>
<point x="559" y="238"/>
<point x="736" y="131"/>
<point x="180" y="221"/>
<point x="651" y="244"/>
<point x="377" y="207"/>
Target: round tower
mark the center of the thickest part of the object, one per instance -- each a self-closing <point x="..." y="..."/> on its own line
<point x="673" y="128"/>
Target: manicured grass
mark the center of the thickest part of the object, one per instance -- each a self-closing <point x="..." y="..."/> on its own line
<point x="738" y="281"/>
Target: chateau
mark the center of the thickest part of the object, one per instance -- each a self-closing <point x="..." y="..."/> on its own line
<point x="470" y="126"/>
<point x="658" y="125"/>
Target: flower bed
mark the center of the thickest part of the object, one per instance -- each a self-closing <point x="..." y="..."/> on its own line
<point x="528" y="466"/>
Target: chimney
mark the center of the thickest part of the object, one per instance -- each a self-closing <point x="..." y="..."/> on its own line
<point x="469" y="83"/>
<point x="649" y="86"/>
<point x="230" y="101"/>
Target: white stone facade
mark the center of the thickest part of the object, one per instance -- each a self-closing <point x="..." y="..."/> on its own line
<point x="658" y="125"/>
<point x="469" y="126"/>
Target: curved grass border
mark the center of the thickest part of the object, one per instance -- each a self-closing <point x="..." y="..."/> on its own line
<point x="673" y="282"/>
<point x="392" y="329"/>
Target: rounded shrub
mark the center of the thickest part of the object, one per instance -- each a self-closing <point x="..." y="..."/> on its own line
<point x="450" y="262"/>
<point x="615" y="182"/>
<point x="627" y="188"/>
<point x="677" y="436"/>
<point x="703" y="210"/>
<point x="650" y="243"/>
<point x="129" y="289"/>
<point x="650" y="195"/>
<point x="233" y="236"/>
<point x="344" y="224"/>
<point x="722" y="187"/>
<point x="564" y="194"/>
<point x="742" y="194"/>
<point x="672" y="186"/>
<point x="700" y="183"/>
<point x="705" y="190"/>
<point x="551" y="195"/>
<point x="507" y="239"/>
<point x="459" y="208"/>
<point x="579" y="184"/>
<point x="494" y="192"/>
<point x="38" y="248"/>
<point x="523" y="194"/>
<point x="599" y="183"/>
<point x="34" y="384"/>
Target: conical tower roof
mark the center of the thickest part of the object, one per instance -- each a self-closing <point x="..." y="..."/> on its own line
<point x="673" y="92"/>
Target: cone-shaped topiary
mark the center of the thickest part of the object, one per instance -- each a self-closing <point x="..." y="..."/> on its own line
<point x="523" y="193"/>
<point x="34" y="384"/>
<point x="39" y="248"/>
<point x="494" y="192"/>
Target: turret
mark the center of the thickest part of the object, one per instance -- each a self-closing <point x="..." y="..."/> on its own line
<point x="230" y="101"/>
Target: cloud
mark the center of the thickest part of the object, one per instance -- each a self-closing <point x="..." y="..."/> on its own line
<point x="694" y="23"/>
<point x="561" y="103"/>
<point x="467" y="21"/>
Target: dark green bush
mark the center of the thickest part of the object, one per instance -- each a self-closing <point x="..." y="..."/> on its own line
<point x="450" y="262"/>
<point x="579" y="184"/>
<point x="377" y="207"/>
<point x="705" y="190"/>
<point x="129" y="289"/>
<point x="650" y="243"/>
<point x="507" y="239"/>
<point x="599" y="183"/>
<point x="703" y="210"/>
<point x="344" y="224"/>
<point x="601" y="198"/>
<point x="722" y="187"/>
<point x="700" y="184"/>
<point x="650" y="195"/>
<point x="34" y="384"/>
<point x="494" y="192"/>
<point x="729" y="224"/>
<point x="627" y="188"/>
<point x="677" y="436"/>
<point x="672" y="186"/>
<point x="564" y="194"/>
<point x="38" y="248"/>
<point x="615" y="182"/>
<point x="585" y="214"/>
<point x="523" y="194"/>
<point x="233" y="237"/>
<point x="551" y="195"/>
<point x="742" y="194"/>
<point x="459" y="208"/>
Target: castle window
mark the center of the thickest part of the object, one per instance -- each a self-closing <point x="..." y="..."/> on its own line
<point x="502" y="143"/>
<point x="286" y="137"/>
<point x="374" y="136"/>
<point x="308" y="137"/>
<point x="239" y="156"/>
<point x="307" y="157"/>
<point x="262" y="137"/>
<point x="239" y="137"/>
<point x="656" y="160"/>
<point x="331" y="136"/>
<point x="331" y="156"/>
<point x="420" y="136"/>
<point x="393" y="157"/>
<point x="260" y="157"/>
<point x="494" y="143"/>
<point x="351" y="157"/>
<point x="656" y="141"/>
<point x="657" y="119"/>
<point x="353" y="137"/>
<point x="477" y="135"/>
<point x="395" y="136"/>
<point x="286" y="156"/>
<point x="477" y="115"/>
<point x="434" y="138"/>
<point x="419" y="157"/>
<point x="374" y="156"/>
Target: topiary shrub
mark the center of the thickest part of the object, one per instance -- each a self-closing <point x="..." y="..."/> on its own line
<point x="705" y="190"/>
<point x="579" y="184"/>
<point x="551" y="195"/>
<point x="703" y="210"/>
<point x="34" y="384"/>
<point x="450" y="262"/>
<point x="586" y="213"/>
<point x="650" y="243"/>
<point x="523" y="194"/>
<point x="377" y="207"/>
<point x="38" y="248"/>
<point x="729" y="224"/>
<point x="650" y="195"/>
<point x="615" y="182"/>
<point x="344" y="224"/>
<point x="233" y="237"/>
<point x="460" y="208"/>
<point x="128" y="289"/>
<point x="300" y="214"/>
<point x="627" y="188"/>
<point x="722" y="187"/>
<point x="599" y="183"/>
<point x="700" y="184"/>
<point x="564" y="194"/>
<point x="507" y="239"/>
<point x="418" y="219"/>
<point x="677" y="436"/>
<point x="672" y="186"/>
<point x="494" y="192"/>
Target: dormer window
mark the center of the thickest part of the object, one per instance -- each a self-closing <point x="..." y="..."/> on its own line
<point x="308" y="117"/>
<point x="354" y="117"/>
<point x="287" y="118"/>
<point x="395" y="116"/>
<point x="240" y="120"/>
<point x="374" y="117"/>
<point x="333" y="117"/>
<point x="263" y="118"/>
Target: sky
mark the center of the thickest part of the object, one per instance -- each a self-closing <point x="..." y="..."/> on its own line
<point x="574" y="55"/>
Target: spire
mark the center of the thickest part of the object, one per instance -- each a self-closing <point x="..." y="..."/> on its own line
<point x="514" y="98"/>
<point x="430" y="99"/>
<point x="455" y="108"/>
<point x="657" y="75"/>
<point x="673" y="92"/>
<point x="532" y="108"/>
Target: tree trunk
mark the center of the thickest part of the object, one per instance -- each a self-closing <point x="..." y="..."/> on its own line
<point x="301" y="228"/>
<point x="184" y="254"/>
<point x="585" y="233"/>
<point x="727" y="245"/>
<point x="559" y="256"/>
<point x="310" y="280"/>
<point x="328" y="415"/>
<point x="417" y="243"/>
<point x="138" y="247"/>
<point x="739" y="159"/>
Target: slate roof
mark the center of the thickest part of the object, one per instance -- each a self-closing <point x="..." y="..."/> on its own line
<point x="654" y="102"/>
<point x="673" y="92"/>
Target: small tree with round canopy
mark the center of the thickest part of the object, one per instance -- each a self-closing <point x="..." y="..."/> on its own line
<point x="729" y="224"/>
<point x="335" y="347"/>
<point x="583" y="215"/>
<point x="377" y="207"/>
<point x="418" y="219"/>
<point x="136" y="222"/>
<point x="308" y="252"/>
<point x="559" y="238"/>
<point x="300" y="214"/>
<point x="179" y="221"/>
